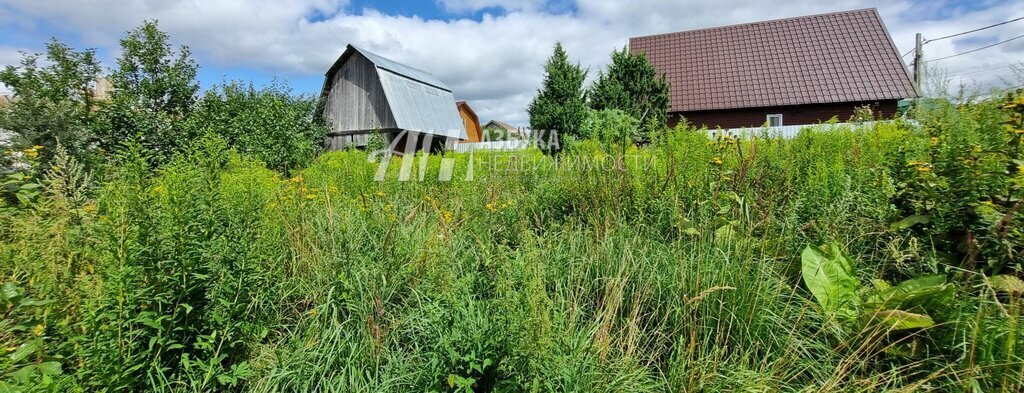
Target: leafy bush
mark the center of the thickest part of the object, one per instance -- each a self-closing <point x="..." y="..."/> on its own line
<point x="963" y="183"/>
<point x="52" y="102"/>
<point x="610" y="126"/>
<point x="154" y="89"/>
<point x="270" y="123"/>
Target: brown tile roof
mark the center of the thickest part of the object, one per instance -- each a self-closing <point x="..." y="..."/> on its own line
<point x="838" y="57"/>
<point x="501" y="124"/>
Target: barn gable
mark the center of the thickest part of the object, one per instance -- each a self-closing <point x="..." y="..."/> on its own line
<point x="364" y="92"/>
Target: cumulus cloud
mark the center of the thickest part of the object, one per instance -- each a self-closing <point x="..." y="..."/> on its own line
<point x="493" y="60"/>
<point x="465" y="6"/>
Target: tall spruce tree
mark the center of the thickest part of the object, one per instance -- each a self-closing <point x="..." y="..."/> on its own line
<point x="632" y="85"/>
<point x="559" y="108"/>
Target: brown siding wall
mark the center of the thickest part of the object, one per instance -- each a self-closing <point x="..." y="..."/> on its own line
<point x="791" y="115"/>
<point x="471" y="122"/>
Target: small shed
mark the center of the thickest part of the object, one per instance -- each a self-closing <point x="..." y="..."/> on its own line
<point x="470" y="121"/>
<point x="365" y="93"/>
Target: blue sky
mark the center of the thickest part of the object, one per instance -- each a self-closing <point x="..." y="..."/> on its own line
<point x="489" y="51"/>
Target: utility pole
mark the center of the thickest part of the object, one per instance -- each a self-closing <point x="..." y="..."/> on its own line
<point x="917" y="62"/>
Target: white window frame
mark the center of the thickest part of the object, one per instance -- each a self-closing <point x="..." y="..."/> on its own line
<point x="768" y="119"/>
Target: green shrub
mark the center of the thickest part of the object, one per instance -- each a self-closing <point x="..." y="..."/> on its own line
<point x="53" y="102"/>
<point x="610" y="126"/>
<point x="269" y="124"/>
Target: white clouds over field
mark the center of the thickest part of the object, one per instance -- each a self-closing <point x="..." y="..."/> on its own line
<point x="494" y="58"/>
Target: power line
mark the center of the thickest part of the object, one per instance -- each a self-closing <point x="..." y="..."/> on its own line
<point x="964" y="32"/>
<point x="983" y="70"/>
<point x="975" y="50"/>
<point x="972" y="31"/>
<point x="991" y="66"/>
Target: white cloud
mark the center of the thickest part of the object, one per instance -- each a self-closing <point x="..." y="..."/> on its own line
<point x="477" y="5"/>
<point x="494" y="62"/>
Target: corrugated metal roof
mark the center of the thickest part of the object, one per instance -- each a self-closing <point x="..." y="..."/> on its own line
<point x="420" y="107"/>
<point x="402" y="69"/>
<point x="419" y="101"/>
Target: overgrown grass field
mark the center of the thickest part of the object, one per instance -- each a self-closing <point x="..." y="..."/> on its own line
<point x="685" y="269"/>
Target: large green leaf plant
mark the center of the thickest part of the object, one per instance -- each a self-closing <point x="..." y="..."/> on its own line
<point x="877" y="306"/>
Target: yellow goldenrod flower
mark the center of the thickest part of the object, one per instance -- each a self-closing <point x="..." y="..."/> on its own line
<point x="310" y="196"/>
<point x="935" y="141"/>
<point x="489" y="206"/>
<point x="39" y="329"/>
<point x="924" y="169"/>
<point x="296" y="179"/>
<point x="716" y="161"/>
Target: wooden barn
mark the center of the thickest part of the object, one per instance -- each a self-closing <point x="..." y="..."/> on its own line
<point x="791" y="71"/>
<point x="365" y="93"/>
<point x="470" y="121"/>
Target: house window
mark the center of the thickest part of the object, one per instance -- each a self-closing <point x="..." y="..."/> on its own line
<point x="774" y="120"/>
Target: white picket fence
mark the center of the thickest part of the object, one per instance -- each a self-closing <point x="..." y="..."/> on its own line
<point x="463" y="147"/>
<point x="779" y="131"/>
<point x="786" y="131"/>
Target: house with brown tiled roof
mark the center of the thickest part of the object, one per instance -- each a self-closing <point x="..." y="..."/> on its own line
<point x="503" y="130"/>
<point x="793" y="71"/>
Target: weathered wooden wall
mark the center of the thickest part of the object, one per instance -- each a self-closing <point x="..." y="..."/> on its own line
<point x="356" y="104"/>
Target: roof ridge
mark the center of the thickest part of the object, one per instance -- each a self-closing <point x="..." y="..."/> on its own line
<point x="437" y="83"/>
<point x="872" y="10"/>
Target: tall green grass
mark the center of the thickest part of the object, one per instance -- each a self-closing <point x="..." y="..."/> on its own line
<point x="679" y="273"/>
